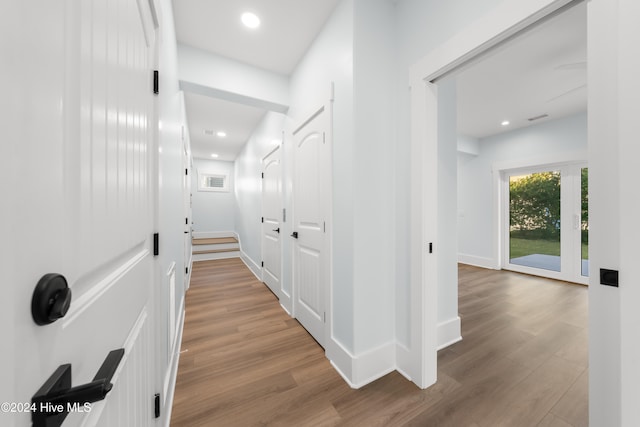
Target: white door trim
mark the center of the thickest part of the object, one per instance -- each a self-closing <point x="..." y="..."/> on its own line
<point x="503" y="22"/>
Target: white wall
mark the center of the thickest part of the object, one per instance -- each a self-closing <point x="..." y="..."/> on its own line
<point x="564" y="138"/>
<point x="422" y="25"/>
<point x="212" y="75"/>
<point x="373" y="175"/>
<point x="330" y="59"/>
<point x="248" y="185"/>
<point x="170" y="210"/>
<point x="447" y="206"/>
<point x="213" y="211"/>
<point x="614" y="340"/>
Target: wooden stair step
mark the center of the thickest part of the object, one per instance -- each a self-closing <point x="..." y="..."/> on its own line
<point x="214" y="241"/>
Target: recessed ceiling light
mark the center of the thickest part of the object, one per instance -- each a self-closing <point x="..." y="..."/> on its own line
<point x="250" y="20"/>
<point x="221" y="134"/>
<point x="215" y="156"/>
<point x="505" y="123"/>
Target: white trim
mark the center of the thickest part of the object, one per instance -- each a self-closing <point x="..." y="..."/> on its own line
<point x="251" y="264"/>
<point x="449" y="333"/>
<point x="562" y="159"/>
<point x="479" y="261"/>
<point x="360" y="370"/>
<point x="102" y="286"/>
<point x="504" y="21"/>
<point x="172" y="373"/>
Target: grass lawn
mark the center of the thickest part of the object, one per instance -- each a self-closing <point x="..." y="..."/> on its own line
<point x="522" y="247"/>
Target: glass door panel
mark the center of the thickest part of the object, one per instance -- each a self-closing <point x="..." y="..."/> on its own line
<point x="534" y="220"/>
<point x="584" y="223"/>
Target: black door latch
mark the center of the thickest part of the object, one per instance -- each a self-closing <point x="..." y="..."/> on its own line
<point x="56" y="398"/>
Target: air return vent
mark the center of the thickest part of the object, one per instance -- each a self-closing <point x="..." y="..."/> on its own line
<point x="542" y="116"/>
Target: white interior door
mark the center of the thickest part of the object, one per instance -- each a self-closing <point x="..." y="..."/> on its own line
<point x="84" y="206"/>
<point x="271" y="226"/>
<point x="309" y="252"/>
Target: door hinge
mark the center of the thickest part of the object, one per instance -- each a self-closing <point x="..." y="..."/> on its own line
<point x="186" y="270"/>
<point x="324" y="226"/>
<point x="262" y="264"/>
<point x="186" y="171"/>
<point x="156" y="244"/>
<point x="430" y="247"/>
<point x="156" y="82"/>
<point x="284" y="215"/>
<point x="262" y="220"/>
<point x="186" y="221"/>
<point x="262" y="175"/>
<point x="324" y="137"/>
<point x="324" y="317"/>
<point x="156" y="405"/>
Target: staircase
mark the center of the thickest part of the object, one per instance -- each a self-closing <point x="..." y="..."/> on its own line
<point x="205" y="249"/>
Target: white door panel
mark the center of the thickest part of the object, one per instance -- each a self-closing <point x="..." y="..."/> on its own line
<point x="309" y="257"/>
<point x="84" y="204"/>
<point x="271" y="226"/>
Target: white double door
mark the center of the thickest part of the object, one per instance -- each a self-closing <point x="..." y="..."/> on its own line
<point x="81" y="204"/>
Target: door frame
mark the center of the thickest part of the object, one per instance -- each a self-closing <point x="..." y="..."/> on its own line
<point x="504" y="22"/>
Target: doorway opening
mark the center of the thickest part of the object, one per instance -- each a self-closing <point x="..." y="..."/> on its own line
<point x="480" y="41"/>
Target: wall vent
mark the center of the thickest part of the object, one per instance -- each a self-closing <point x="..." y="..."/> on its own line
<point x="542" y="116"/>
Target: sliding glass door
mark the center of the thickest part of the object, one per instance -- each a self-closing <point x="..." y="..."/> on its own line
<point x="546" y="222"/>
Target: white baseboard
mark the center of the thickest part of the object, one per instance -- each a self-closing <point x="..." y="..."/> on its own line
<point x="478" y="261"/>
<point x="360" y="370"/>
<point x="170" y="385"/>
<point x="253" y="266"/>
<point x="213" y="234"/>
<point x="449" y="332"/>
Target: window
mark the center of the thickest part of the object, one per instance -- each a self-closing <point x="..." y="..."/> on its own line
<point x="210" y="181"/>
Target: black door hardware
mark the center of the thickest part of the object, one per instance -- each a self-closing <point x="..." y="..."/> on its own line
<point x="51" y="299"/>
<point x="56" y="398"/>
<point x="294" y="235"/>
<point x="277" y="230"/>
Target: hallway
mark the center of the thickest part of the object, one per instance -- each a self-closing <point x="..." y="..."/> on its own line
<point x="245" y="362"/>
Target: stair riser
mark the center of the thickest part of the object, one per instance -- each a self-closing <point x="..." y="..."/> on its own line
<point x="220" y="246"/>
<point x="214" y="256"/>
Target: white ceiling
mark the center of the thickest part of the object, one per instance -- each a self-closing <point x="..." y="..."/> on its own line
<point x="288" y="27"/>
<point x="287" y="30"/>
<point x="540" y="72"/>
<point x="206" y="113"/>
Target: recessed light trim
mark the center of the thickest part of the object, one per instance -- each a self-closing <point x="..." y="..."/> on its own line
<point x="215" y="156"/>
<point x="250" y="20"/>
<point x="505" y="123"/>
<point x="221" y="134"/>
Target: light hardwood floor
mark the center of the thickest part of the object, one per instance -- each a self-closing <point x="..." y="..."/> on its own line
<point x="245" y="362"/>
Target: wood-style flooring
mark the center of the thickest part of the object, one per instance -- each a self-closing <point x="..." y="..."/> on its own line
<point x="245" y="362"/>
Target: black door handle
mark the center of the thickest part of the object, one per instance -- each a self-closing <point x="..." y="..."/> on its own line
<point x="277" y="230"/>
<point x="294" y="235"/>
<point x="54" y="400"/>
